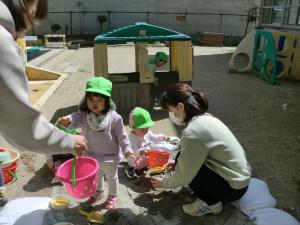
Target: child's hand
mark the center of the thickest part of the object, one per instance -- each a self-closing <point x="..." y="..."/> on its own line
<point x="143" y="152"/>
<point x="64" y="121"/>
<point x="130" y="155"/>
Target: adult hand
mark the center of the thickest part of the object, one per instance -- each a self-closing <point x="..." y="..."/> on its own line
<point x="80" y="145"/>
<point x="64" y="121"/>
<point x="156" y="182"/>
<point x="170" y="166"/>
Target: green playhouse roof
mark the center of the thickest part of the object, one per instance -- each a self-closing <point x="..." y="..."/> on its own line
<point x="140" y="32"/>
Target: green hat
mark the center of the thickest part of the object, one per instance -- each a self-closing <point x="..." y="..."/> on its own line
<point x="99" y="85"/>
<point x="140" y="118"/>
<point x="161" y="56"/>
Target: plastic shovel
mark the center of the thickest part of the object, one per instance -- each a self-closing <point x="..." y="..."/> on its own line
<point x="93" y="216"/>
<point x="155" y="170"/>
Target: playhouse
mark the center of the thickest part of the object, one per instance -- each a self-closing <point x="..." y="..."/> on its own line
<point x="135" y="89"/>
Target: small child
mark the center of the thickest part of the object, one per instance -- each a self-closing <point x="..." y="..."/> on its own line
<point x="104" y="130"/>
<point x="157" y="61"/>
<point x="141" y="139"/>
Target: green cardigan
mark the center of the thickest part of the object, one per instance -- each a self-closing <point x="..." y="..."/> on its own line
<point x="207" y="140"/>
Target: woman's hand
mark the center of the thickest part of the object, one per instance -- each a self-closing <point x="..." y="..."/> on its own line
<point x="170" y="166"/>
<point x="156" y="182"/>
<point x="64" y="121"/>
<point x="80" y="145"/>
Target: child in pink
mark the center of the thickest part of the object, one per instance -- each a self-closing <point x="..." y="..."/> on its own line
<point x="104" y="130"/>
<point x="141" y="139"/>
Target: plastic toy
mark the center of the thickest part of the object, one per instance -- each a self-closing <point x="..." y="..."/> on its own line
<point x="264" y="56"/>
<point x="59" y="202"/>
<point x="86" y="176"/>
<point x="93" y="216"/>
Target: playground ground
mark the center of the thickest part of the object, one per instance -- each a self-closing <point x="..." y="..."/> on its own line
<point x="264" y="118"/>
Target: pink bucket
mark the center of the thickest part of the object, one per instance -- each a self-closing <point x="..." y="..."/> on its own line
<point x="86" y="174"/>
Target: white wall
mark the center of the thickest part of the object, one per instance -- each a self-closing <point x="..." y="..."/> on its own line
<point x="86" y="24"/>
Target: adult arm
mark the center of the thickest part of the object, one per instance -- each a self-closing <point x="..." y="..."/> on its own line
<point x="20" y="123"/>
<point x="192" y="156"/>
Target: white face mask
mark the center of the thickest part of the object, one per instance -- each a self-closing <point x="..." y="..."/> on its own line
<point x="176" y="120"/>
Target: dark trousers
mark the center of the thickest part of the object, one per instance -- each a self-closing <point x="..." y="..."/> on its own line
<point x="212" y="188"/>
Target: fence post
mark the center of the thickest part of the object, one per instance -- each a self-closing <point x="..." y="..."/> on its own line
<point x="108" y="12"/>
<point x="71" y="23"/>
<point x="185" y="19"/>
<point x="221" y="18"/>
<point x="147" y="17"/>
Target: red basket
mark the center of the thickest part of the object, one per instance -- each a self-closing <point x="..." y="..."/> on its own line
<point x="158" y="158"/>
<point x="9" y="172"/>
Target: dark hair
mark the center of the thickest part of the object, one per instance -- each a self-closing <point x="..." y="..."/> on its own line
<point x="20" y="11"/>
<point x="84" y="107"/>
<point x="195" y="102"/>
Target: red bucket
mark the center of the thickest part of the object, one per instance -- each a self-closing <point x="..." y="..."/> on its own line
<point x="158" y="158"/>
<point x="9" y="172"/>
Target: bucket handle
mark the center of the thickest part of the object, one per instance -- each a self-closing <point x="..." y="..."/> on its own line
<point x="15" y="175"/>
<point x="73" y="172"/>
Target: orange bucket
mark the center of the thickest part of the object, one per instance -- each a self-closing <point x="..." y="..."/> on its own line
<point x="158" y="158"/>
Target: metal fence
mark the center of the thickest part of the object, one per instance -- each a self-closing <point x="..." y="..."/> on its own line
<point x="85" y="22"/>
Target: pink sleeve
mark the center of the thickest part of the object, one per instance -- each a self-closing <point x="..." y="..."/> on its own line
<point x="121" y="135"/>
<point x="77" y="119"/>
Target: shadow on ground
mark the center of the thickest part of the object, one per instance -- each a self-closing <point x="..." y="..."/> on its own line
<point x="42" y="178"/>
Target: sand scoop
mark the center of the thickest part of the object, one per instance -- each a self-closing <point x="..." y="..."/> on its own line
<point x="93" y="216"/>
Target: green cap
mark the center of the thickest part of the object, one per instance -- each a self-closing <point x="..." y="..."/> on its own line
<point x="141" y="118"/>
<point x="99" y="85"/>
<point x="161" y="56"/>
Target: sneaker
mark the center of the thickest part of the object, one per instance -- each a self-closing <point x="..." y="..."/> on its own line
<point x="156" y="104"/>
<point x="131" y="173"/>
<point x="200" y="208"/>
<point x="111" y="202"/>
